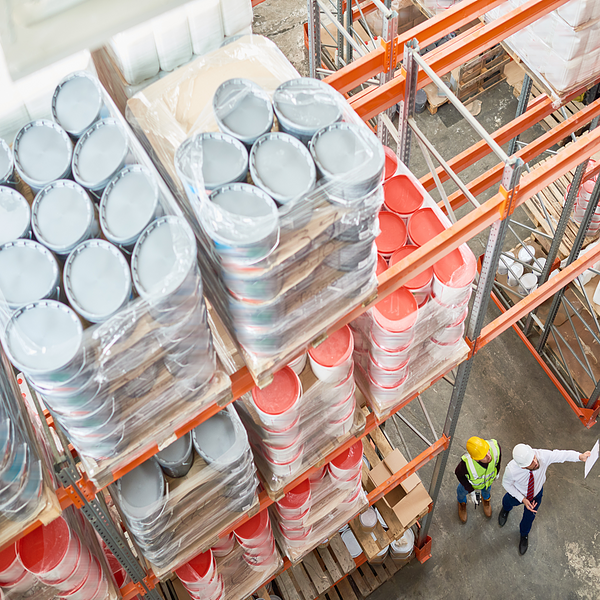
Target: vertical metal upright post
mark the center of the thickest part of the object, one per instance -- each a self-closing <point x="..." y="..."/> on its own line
<point x="314" y="38"/>
<point x="389" y="34"/>
<point x="521" y="108"/>
<point x="594" y="398"/>
<point x="575" y="250"/>
<point x="510" y="180"/>
<point x="340" y="37"/>
<point x="408" y="105"/>
<point x="350" y="28"/>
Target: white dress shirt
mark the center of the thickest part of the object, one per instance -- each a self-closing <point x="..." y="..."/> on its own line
<point x="516" y="479"/>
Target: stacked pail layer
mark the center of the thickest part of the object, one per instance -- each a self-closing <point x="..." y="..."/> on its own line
<point x="562" y="46"/>
<point x="296" y="420"/>
<point x="174" y="38"/>
<point x="320" y="505"/>
<point x="176" y="503"/>
<point x="581" y="203"/>
<point x="410" y="333"/>
<point x="297" y="242"/>
<point x="59" y="560"/>
<point x="21" y="471"/>
<point x="240" y="562"/>
<point x="99" y="280"/>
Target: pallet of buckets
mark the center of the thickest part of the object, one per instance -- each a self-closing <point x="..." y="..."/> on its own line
<point x="414" y="335"/>
<point x="281" y="182"/>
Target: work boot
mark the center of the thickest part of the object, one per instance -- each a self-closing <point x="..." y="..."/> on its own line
<point x="487" y="508"/>
<point x="502" y="517"/>
<point x="462" y="511"/>
<point x="523" y="544"/>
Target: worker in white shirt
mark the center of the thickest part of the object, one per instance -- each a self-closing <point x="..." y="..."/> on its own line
<point x="524" y="479"/>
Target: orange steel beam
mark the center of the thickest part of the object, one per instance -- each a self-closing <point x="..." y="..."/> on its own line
<point x="586" y="415"/>
<point x="529" y="152"/>
<point x="445" y="58"/>
<point x="536" y="111"/>
<point x="426" y="33"/>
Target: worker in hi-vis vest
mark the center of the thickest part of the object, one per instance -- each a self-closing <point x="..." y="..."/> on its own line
<point x="476" y="472"/>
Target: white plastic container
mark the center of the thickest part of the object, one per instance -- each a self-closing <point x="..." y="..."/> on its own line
<point x="128" y="205"/>
<point x="526" y="254"/>
<point x="348" y="463"/>
<point x="368" y="520"/>
<point x="136" y="55"/>
<point x="514" y="274"/>
<point x="528" y="283"/>
<point x="538" y="266"/>
<point x="63" y="216"/>
<point x="28" y="272"/>
<point x="224" y="547"/>
<point x="389" y="359"/>
<point x="42" y="153"/>
<point x="277" y="404"/>
<point x="288" y="468"/>
<point x="172" y="39"/>
<point x="15" y="215"/>
<point x="387" y="377"/>
<point x="343" y="426"/>
<point x="97" y="280"/>
<point x="506" y="260"/>
<point x="331" y="360"/>
<point x="206" y="25"/>
<point x="6" y="163"/>
<point x="295" y="504"/>
<point x="393" y="320"/>
<point x="282" y="436"/>
<point x="453" y="276"/>
<point x="387" y="395"/>
<point x="449" y="335"/>
<point x="299" y="363"/>
<point x="283" y="454"/>
<point x="236" y="14"/>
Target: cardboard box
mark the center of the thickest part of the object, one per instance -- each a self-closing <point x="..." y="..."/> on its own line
<point x="407" y="500"/>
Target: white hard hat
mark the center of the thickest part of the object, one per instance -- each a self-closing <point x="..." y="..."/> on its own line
<point x="523" y="455"/>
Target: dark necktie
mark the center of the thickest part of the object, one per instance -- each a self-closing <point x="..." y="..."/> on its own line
<point x="530" y="487"/>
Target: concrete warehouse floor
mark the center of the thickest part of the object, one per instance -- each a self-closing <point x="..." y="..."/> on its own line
<point x="510" y="398"/>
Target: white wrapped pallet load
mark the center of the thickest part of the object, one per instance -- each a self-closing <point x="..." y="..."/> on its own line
<point x="172" y="38"/>
<point x="135" y="52"/>
<point x="206" y="25"/>
<point x="237" y="14"/>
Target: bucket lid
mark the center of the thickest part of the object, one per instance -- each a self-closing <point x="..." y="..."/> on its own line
<point x="297" y="497"/>
<point x="6" y="161"/>
<point x="62" y="215"/>
<point x="282" y="166"/>
<point x="529" y="280"/>
<point x="457" y="269"/>
<point x="368" y="518"/>
<point x="197" y="568"/>
<point x="351" y="543"/>
<point x="308" y="104"/>
<point x="97" y="279"/>
<point x="45" y="547"/>
<point x="422" y="279"/>
<point x="162" y="257"/>
<point x="280" y="395"/>
<point x="100" y="151"/>
<point x="28" y="272"/>
<point x="405" y="543"/>
<point x="254" y="526"/>
<point x="396" y="312"/>
<point x="381" y="265"/>
<point x="221" y="157"/>
<point x="391" y="163"/>
<point x="424" y="225"/>
<point x="401" y="195"/>
<point x="43" y="336"/>
<point x="349" y="459"/>
<point x="143" y="486"/>
<point x="128" y="204"/>
<point x="335" y="349"/>
<point x="15" y="215"/>
<point x="42" y="152"/>
<point x="8" y="557"/>
<point x="177" y="451"/>
<point x="216" y="436"/>
<point x="76" y="102"/>
<point x="392" y="233"/>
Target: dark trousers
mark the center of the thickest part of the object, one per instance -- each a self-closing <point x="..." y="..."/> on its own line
<point x="509" y="502"/>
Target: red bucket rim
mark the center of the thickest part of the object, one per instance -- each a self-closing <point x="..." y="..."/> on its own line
<point x="419" y="281"/>
<point x="395" y="198"/>
<point x="349" y="458"/>
<point x="42" y="550"/>
<point x="398" y="312"/>
<point x="424" y="225"/>
<point x="335" y="350"/>
<point x="254" y="527"/>
<point x="280" y="395"/>
<point x="392" y="234"/>
<point x="297" y="497"/>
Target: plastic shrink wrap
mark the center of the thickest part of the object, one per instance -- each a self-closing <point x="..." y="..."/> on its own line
<point x="414" y="335"/>
<point x="176" y="503"/>
<point x="60" y="560"/>
<point x="299" y="242"/>
<point x="307" y="411"/>
<point x="237" y="566"/>
<point x="320" y="505"/>
<point x="112" y="333"/>
<point x="561" y="47"/>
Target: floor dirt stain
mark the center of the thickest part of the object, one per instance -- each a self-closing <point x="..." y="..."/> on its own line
<point x="587" y="569"/>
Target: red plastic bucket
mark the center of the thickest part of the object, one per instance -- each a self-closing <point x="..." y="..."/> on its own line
<point x="402" y="196"/>
<point x="11" y="568"/>
<point x="391" y="163"/>
<point x="423" y="226"/>
<point x="344" y="465"/>
<point x="277" y="403"/>
<point x="392" y="234"/>
<point x="331" y="360"/>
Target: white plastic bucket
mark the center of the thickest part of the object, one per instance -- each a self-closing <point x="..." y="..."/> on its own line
<point x="526" y="254"/>
<point x="343" y="426"/>
<point x="331" y="360"/>
<point x="15" y="215"/>
<point x="528" y="283"/>
<point x="453" y="276"/>
<point x="288" y="468"/>
<point x="347" y="463"/>
<point x="282" y="454"/>
<point x="277" y="404"/>
<point x="515" y="272"/>
<point x="506" y="260"/>
<point x="294" y="505"/>
<point x="6" y="164"/>
<point x="389" y="359"/>
<point x="387" y="377"/>
<point x="298" y="364"/>
<point x="387" y="395"/>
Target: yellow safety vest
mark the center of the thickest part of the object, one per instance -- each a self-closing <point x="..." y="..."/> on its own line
<point x="482" y="477"/>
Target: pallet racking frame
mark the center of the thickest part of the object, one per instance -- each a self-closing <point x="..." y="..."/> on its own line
<point x="372" y="101"/>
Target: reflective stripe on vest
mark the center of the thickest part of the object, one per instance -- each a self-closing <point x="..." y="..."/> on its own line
<point x="479" y="477"/>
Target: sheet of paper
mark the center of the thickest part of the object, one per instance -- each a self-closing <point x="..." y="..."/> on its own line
<point x="589" y="463"/>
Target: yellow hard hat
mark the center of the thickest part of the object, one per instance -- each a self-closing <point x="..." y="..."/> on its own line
<point x="477" y="448"/>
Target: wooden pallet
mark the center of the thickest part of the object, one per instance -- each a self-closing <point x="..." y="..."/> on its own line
<point x="318" y="572"/>
<point x="367" y="578"/>
<point x="376" y="446"/>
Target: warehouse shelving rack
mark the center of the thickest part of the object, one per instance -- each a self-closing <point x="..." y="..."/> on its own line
<point x="515" y="189"/>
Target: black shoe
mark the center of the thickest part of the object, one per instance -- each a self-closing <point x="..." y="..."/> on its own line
<point x="523" y="544"/>
<point x="502" y="517"/>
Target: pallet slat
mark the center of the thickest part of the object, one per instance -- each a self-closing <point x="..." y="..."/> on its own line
<point x="319" y="578"/>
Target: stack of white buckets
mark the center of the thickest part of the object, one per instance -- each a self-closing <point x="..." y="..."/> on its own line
<point x="581" y="203"/>
<point x="424" y="318"/>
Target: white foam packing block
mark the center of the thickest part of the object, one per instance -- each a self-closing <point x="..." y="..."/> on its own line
<point x="206" y="25"/>
<point x="172" y="38"/>
<point x="135" y="52"/>
<point x="237" y="14"/>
